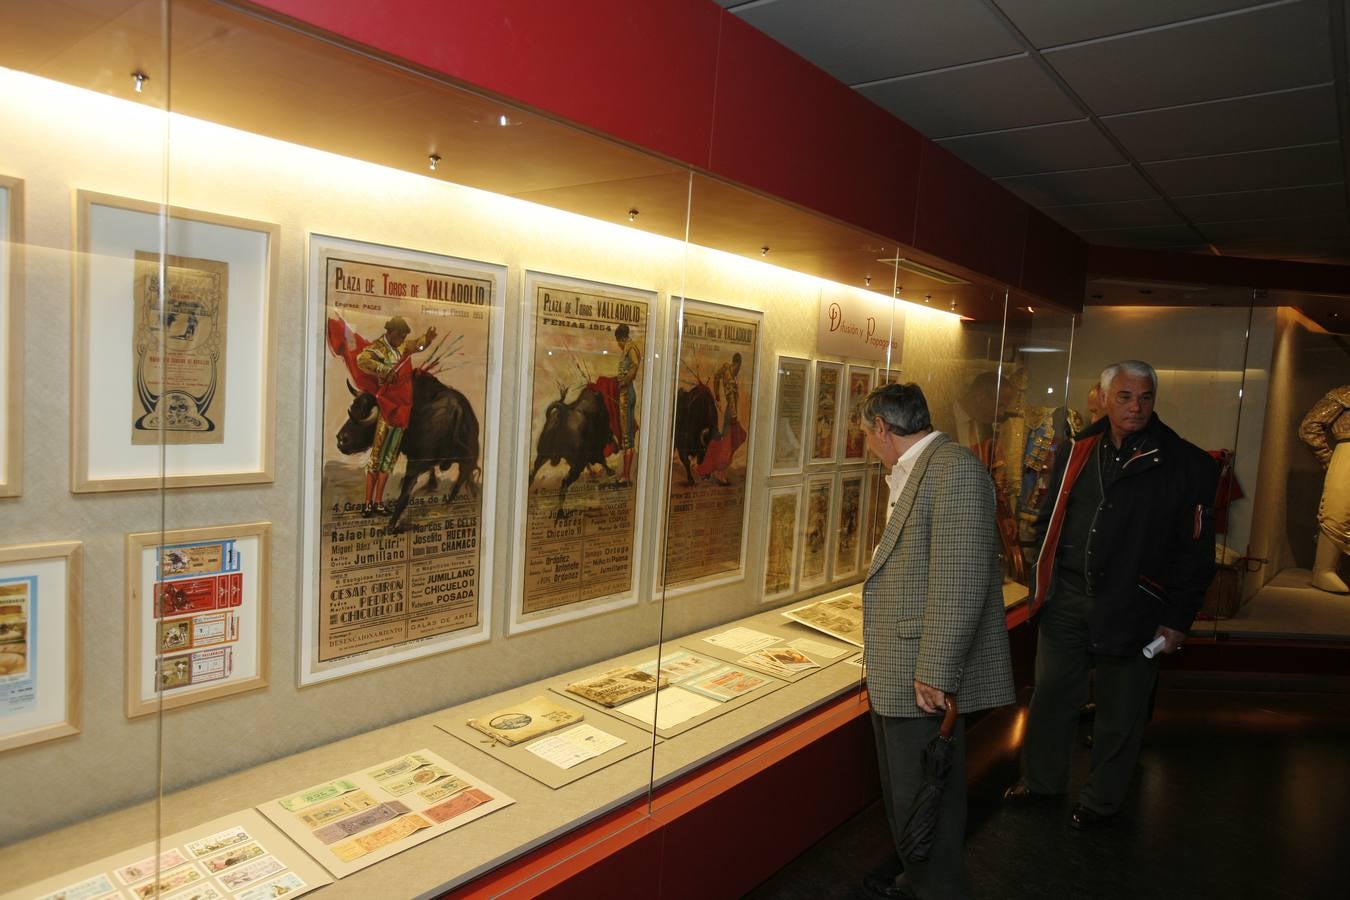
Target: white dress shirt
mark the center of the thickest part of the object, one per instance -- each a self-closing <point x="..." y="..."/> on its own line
<point x="899" y="474"/>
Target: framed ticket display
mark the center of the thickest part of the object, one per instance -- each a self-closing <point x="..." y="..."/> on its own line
<point x="791" y="381"/>
<point x="587" y="353"/>
<point x="846" y="533"/>
<point x="712" y="445"/>
<point x="817" y="508"/>
<point x="401" y="448"/>
<point x="859" y="384"/>
<point x="197" y="602"/>
<point x="780" y="548"/>
<point x="826" y="403"/>
<point x="172" y="357"/>
<point x="11" y="336"/>
<point x="40" y="588"/>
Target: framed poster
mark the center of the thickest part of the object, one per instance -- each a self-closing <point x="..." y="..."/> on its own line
<point x="196" y="614"/>
<point x="11" y="336"/>
<point x="402" y="387"/>
<point x="172" y="354"/>
<point x="40" y="589"/>
<point x="712" y="445"/>
<point x="846" y="531"/>
<point x="780" y="540"/>
<point x="826" y="397"/>
<point x="859" y="383"/>
<point x="792" y="376"/>
<point x="817" y="515"/>
<point x="586" y="360"/>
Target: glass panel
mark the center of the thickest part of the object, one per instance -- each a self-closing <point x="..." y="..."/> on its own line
<point x="82" y="194"/>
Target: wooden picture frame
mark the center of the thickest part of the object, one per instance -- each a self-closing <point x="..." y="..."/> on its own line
<point x="117" y="240"/>
<point x="201" y="632"/>
<point x="11" y="336"/>
<point x="827" y="401"/>
<point x="41" y="586"/>
<point x="792" y="387"/>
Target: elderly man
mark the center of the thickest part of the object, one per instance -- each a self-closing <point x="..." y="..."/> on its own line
<point x="933" y="626"/>
<point x="1126" y="552"/>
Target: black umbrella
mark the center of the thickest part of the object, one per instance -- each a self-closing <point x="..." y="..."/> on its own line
<point x="917" y="839"/>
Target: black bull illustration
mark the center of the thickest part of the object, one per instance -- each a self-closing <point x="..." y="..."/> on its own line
<point x="577" y="432"/>
<point x="442" y="431"/>
<point x="695" y="425"/>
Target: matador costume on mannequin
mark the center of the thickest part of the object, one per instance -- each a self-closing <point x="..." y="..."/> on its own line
<point x="1326" y="428"/>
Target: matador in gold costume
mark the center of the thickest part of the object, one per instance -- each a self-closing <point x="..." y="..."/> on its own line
<point x="1326" y="428"/>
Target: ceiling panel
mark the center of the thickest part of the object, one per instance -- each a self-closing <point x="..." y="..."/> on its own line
<point x="1041" y="148"/>
<point x="1165" y="237"/>
<point x="1050" y="22"/>
<point x="864" y="40"/>
<point x="1129" y="214"/>
<point x="1269" y="48"/>
<point x="1316" y="200"/>
<point x="1252" y="171"/>
<point x="984" y="96"/>
<point x="1104" y="185"/>
<point x="1302" y="116"/>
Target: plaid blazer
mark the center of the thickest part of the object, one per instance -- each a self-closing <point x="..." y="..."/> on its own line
<point x="933" y="598"/>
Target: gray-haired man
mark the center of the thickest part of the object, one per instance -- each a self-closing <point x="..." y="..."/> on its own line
<point x="933" y="623"/>
<point x="1126" y="552"/>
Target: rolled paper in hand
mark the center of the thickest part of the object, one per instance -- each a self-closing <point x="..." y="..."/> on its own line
<point x="1152" y="647"/>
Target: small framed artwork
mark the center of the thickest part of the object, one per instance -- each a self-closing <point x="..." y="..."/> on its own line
<point x="846" y="534"/>
<point x="791" y="382"/>
<point x="40" y="589"/>
<point x="817" y="514"/>
<point x="826" y="400"/>
<point x="780" y="548"/>
<point x="172" y="376"/>
<point x="11" y="336"/>
<point x="196" y="615"/>
<point x="859" y="383"/>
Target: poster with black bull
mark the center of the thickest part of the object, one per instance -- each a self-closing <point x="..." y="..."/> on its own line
<point x="587" y="392"/>
<point x="712" y="447"/>
<point x="405" y="389"/>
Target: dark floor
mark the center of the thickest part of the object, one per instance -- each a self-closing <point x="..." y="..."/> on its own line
<point x="1241" y="793"/>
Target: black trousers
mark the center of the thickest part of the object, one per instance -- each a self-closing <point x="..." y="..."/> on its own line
<point x="900" y="745"/>
<point x="1122" y="687"/>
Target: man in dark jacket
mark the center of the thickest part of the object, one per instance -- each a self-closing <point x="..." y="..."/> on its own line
<point x="1125" y="554"/>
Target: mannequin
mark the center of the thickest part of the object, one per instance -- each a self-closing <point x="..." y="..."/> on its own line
<point x="1326" y="428"/>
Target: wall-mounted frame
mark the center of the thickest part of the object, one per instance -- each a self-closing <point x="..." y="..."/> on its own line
<point x="11" y="336"/>
<point x="781" y="536"/>
<point x="714" y="355"/>
<point x="396" y="559"/>
<point x="196" y="615"/>
<point x="817" y="517"/>
<point x="827" y="392"/>
<point x="171" y="388"/>
<point x="857" y="385"/>
<point x="40" y="590"/>
<point x="792" y="382"/>
<point x="848" y="518"/>
<point x="583" y="412"/>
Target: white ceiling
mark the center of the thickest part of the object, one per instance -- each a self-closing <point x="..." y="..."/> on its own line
<point x="1193" y="125"/>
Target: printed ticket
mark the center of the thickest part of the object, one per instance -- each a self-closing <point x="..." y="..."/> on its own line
<point x="336" y="809"/>
<point x="235" y="856"/>
<point x="395" y="831"/>
<point x="205" y="558"/>
<point x="89" y="889"/>
<point x="144" y="868"/>
<point x="376" y="815"/>
<point x="250" y="872"/>
<point x="195" y="595"/>
<point x="205" y="630"/>
<point x="316" y="794"/>
<point x="456" y="806"/>
<point x="277" y="887"/>
<point x="170" y="881"/>
<point x="230" y="837"/>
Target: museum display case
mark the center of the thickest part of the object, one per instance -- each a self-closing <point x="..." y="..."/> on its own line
<point x="436" y="466"/>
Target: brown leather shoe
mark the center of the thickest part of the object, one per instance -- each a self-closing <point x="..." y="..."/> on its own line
<point x="1084" y="819"/>
<point x="1021" y="795"/>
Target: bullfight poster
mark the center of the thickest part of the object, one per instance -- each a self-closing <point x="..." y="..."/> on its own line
<point x="586" y="354"/>
<point x="713" y="436"/>
<point x="406" y="370"/>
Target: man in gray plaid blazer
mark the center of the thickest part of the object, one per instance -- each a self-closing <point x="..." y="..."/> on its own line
<point x="933" y="623"/>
